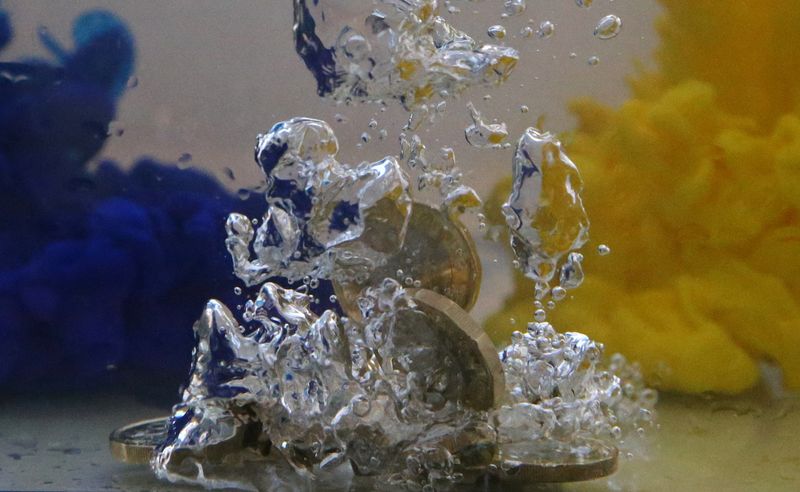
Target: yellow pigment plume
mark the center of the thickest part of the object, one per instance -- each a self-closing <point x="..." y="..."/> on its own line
<point x="695" y="185"/>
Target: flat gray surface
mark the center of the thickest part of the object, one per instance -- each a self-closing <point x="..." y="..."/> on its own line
<point x="703" y="444"/>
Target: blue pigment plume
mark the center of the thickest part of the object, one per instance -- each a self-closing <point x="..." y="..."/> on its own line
<point x="102" y="272"/>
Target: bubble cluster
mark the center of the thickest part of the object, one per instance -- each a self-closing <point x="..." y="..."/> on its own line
<point x="392" y="50"/>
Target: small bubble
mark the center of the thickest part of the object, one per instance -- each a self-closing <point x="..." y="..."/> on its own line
<point x="237" y="291"/>
<point x="513" y="321"/>
<point x="551" y="304"/>
<point x="593" y="60"/>
<point x="254" y="221"/>
<point x="496" y="32"/>
<point x="546" y="29"/>
<point x="365" y="137"/>
<point x="243" y="193"/>
<point x="373" y="123"/>
<point x="524" y="109"/>
<point x="558" y="293"/>
<point x="608" y="27"/>
<point x="584" y="3"/>
<point x="133" y="82"/>
<point x="514" y="7"/>
<point x="526" y="32"/>
<point x="603" y="250"/>
<point x="184" y="161"/>
<point x="339" y="118"/>
<point x="540" y="315"/>
<point x="417" y="284"/>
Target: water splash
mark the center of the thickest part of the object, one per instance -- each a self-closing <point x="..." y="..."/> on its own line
<point x="318" y="208"/>
<point x="484" y="135"/>
<point x="545" y="212"/>
<point x="366" y="51"/>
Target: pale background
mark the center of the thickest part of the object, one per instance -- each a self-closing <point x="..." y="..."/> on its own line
<point x="212" y="74"/>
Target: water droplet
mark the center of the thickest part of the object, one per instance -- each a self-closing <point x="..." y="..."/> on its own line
<point x="593" y="60"/>
<point x="608" y="27"/>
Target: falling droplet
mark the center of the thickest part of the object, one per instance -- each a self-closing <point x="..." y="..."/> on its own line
<point x="608" y="27"/>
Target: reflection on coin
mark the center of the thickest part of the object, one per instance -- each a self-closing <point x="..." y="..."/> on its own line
<point x="438" y="252"/>
<point x="554" y="461"/>
<point x="134" y="443"/>
<point x="474" y="357"/>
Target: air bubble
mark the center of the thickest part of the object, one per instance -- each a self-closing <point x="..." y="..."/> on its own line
<point x="496" y="32"/>
<point x="593" y="60"/>
<point x="603" y="250"/>
<point x="546" y="29"/>
<point x="608" y="27"/>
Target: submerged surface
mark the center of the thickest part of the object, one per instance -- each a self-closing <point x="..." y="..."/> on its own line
<point x="739" y="444"/>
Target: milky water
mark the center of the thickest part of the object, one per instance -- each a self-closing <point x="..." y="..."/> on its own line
<point x="290" y="380"/>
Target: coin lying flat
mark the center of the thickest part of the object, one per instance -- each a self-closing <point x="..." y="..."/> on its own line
<point x="472" y="356"/>
<point x="554" y="461"/>
<point x="438" y="252"/>
<point x="134" y="443"/>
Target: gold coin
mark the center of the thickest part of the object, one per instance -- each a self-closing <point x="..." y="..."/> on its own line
<point x="466" y="356"/>
<point x="134" y="443"/>
<point x="438" y="252"/>
<point x="554" y="461"/>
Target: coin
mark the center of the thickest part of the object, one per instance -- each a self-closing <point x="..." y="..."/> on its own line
<point x="554" y="461"/>
<point x="134" y="443"/>
<point x="438" y="252"/>
<point x="475" y="374"/>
